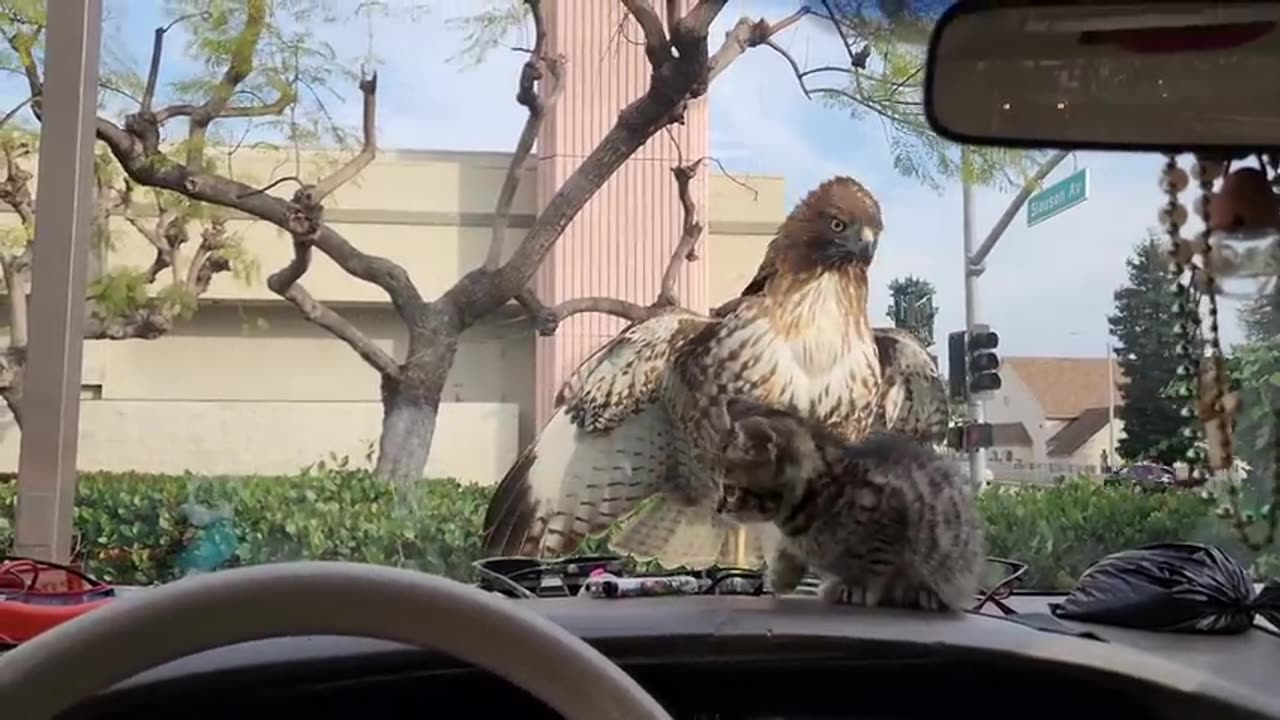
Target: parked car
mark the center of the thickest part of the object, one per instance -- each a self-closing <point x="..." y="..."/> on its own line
<point x="1149" y="476"/>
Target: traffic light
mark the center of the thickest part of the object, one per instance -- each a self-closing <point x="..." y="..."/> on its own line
<point x="979" y="435"/>
<point x="983" y="363"/>
<point x="957" y="366"/>
<point x="970" y="436"/>
<point x="955" y="437"/>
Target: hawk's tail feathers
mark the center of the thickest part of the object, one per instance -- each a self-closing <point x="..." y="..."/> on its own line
<point x="571" y="484"/>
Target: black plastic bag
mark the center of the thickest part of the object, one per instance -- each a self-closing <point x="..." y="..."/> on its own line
<point x="1170" y="587"/>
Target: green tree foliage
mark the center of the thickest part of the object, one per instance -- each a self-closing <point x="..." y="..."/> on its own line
<point x="1144" y="325"/>
<point x="1255" y="370"/>
<point x="487" y="29"/>
<point x="887" y="41"/>
<point x="280" y="105"/>
<point x="912" y="307"/>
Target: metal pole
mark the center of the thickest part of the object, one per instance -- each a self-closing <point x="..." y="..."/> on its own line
<point x="64" y="211"/>
<point x="1111" y="406"/>
<point x="977" y="414"/>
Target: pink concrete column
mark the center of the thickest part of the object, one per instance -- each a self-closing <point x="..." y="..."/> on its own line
<point x="620" y="243"/>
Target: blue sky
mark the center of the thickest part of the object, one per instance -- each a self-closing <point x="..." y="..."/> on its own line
<point x="1047" y="290"/>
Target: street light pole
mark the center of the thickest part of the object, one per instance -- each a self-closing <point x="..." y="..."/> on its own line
<point x="1111" y="405"/>
<point x="976" y="409"/>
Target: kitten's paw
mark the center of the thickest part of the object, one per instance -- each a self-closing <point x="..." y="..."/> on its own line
<point x="784" y="575"/>
<point x="916" y="598"/>
<point x="926" y="599"/>
<point x="836" y="592"/>
<point x="782" y="583"/>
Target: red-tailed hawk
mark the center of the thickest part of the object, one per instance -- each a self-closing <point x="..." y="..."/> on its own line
<point x="913" y="394"/>
<point x="632" y="438"/>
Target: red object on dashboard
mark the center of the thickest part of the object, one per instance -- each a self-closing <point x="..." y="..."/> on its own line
<point x="36" y="595"/>
<point x="1197" y="38"/>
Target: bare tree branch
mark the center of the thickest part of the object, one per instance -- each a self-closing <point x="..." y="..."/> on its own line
<point x="686" y="249"/>
<point x="284" y="99"/>
<point x="157" y="50"/>
<point x="149" y="319"/>
<point x="139" y="157"/>
<point x="679" y="77"/>
<point x="858" y="60"/>
<point x="747" y="34"/>
<point x="657" y="47"/>
<point x="237" y="71"/>
<point x="548" y="319"/>
<point x="673" y="14"/>
<point x="23" y="44"/>
<point x="540" y="84"/>
<point x="284" y="282"/>
<point x="353" y="167"/>
<point x="306" y="224"/>
<point x="755" y="194"/>
<point x="691" y="232"/>
<point x="14" y="111"/>
<point x="15" y="189"/>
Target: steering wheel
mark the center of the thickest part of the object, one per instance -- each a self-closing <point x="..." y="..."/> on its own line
<point x="68" y="664"/>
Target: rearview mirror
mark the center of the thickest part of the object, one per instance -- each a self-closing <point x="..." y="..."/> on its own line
<point x="1164" y="76"/>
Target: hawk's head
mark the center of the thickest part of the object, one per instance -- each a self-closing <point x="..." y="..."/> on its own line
<point x="835" y="225"/>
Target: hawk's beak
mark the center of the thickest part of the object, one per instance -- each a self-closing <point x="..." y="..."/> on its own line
<point x="859" y="241"/>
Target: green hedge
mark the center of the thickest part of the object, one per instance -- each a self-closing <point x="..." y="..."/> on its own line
<point x="141" y="529"/>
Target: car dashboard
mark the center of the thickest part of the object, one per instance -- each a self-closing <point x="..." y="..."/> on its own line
<point x="726" y="657"/>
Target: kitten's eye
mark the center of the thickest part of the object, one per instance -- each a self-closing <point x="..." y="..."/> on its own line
<point x="838" y="226"/>
<point x="730" y="493"/>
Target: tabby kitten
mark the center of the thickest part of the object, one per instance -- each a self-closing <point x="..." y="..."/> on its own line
<point x="885" y="521"/>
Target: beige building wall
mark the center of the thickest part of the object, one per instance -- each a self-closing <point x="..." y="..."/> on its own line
<point x="247" y="386"/>
<point x="1015" y="403"/>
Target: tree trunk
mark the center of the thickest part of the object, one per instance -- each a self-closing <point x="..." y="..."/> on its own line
<point x="408" y="424"/>
<point x="411" y="398"/>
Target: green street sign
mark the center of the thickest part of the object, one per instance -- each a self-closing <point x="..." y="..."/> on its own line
<point x="1058" y="197"/>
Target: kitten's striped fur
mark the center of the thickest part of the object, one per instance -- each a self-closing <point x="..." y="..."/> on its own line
<point x="885" y="521"/>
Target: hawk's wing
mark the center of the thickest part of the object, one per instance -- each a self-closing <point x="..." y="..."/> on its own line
<point x="913" y="395"/>
<point x="607" y="447"/>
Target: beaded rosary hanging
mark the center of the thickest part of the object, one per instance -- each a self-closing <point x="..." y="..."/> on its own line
<point x="1198" y="344"/>
<point x="1240" y="238"/>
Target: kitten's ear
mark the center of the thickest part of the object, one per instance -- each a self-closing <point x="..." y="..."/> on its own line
<point x="760" y="437"/>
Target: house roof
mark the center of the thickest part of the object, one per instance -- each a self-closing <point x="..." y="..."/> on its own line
<point x="1012" y="434"/>
<point x="1077" y="432"/>
<point x="1065" y="387"/>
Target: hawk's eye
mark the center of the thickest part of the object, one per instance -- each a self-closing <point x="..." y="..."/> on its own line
<point x="838" y="226"/>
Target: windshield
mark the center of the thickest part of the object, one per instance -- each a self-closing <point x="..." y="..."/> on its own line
<point x="328" y="268"/>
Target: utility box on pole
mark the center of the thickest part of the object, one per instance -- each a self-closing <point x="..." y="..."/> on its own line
<point x="957" y="366"/>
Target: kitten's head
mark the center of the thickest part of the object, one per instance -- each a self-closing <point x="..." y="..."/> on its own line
<point x="763" y="452"/>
